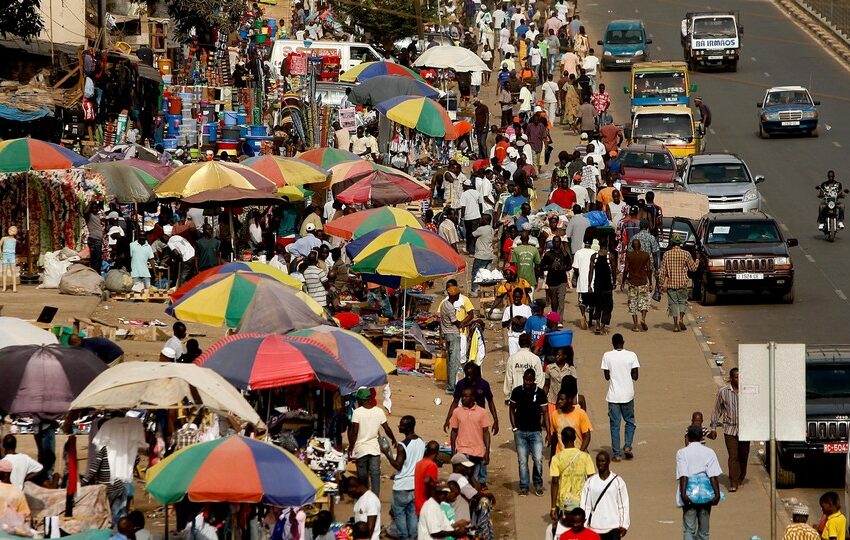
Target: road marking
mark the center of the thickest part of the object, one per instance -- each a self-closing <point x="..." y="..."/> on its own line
<point x="840" y="294"/>
<point x="711" y="130"/>
<point x="753" y="58"/>
<point x="784" y="227"/>
<point x="810" y="258"/>
<point x="657" y="47"/>
<point x="837" y="144"/>
<point x="766" y="74"/>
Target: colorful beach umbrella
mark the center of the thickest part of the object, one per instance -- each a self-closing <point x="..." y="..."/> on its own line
<point x="21" y="155"/>
<point x="367" y="70"/>
<point x="378" y="89"/>
<point x="251" y="266"/>
<point x="359" y="223"/>
<point x="383" y="186"/>
<point x="260" y="361"/>
<point x="197" y="179"/>
<point x="420" y="113"/>
<point x="284" y="171"/>
<point x="358" y="355"/>
<point x="223" y="299"/>
<point x="125" y="183"/>
<point x="409" y="255"/>
<point x="233" y="469"/>
<point x="328" y="157"/>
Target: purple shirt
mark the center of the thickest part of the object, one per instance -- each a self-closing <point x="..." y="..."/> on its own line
<point x="536" y="135"/>
<point x="480" y="388"/>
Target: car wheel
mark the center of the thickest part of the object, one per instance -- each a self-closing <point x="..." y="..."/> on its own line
<point x="788" y="296"/>
<point x="814" y="133"/>
<point x="785" y="479"/>
<point x="733" y="67"/>
<point x="762" y="133"/>
<point x="707" y="298"/>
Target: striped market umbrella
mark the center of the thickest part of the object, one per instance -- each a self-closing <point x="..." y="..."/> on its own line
<point x="420" y="113"/>
<point x="367" y="70"/>
<point x="328" y="157"/>
<point x="359" y="223"/>
<point x="358" y="355"/>
<point x="21" y="155"/>
<point x="251" y="266"/>
<point x="261" y="361"/>
<point x="233" y="469"/>
<point x="383" y="186"/>
<point x="198" y="179"/>
<point x="284" y="171"/>
<point x="223" y="299"/>
<point x="125" y="183"/>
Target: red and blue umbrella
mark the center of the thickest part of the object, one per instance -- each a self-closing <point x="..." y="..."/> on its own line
<point x="260" y="361"/>
<point x="21" y="155"/>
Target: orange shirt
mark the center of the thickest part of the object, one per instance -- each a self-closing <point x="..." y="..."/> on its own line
<point x="501" y="151"/>
<point x="470" y="424"/>
<point x="605" y="195"/>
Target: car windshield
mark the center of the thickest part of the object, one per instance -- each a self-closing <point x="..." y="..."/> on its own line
<point x="663" y="126"/>
<point x="647" y="160"/>
<point x="623" y="37"/>
<point x="743" y="232"/>
<point x="717" y="27"/>
<point x="670" y="83"/>
<point x="827" y="381"/>
<point x="718" y="173"/>
<point x="788" y="97"/>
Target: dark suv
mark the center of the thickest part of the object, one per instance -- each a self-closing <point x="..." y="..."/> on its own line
<point x="827" y="416"/>
<point x="737" y="252"/>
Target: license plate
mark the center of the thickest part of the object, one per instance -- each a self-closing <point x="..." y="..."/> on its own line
<point x="749" y="275"/>
<point x="716" y="57"/>
<point x="791" y="123"/>
<point x="639" y="190"/>
<point x="835" y="448"/>
<point x="622" y="61"/>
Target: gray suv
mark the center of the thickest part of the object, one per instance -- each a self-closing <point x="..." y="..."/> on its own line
<point x="725" y="179"/>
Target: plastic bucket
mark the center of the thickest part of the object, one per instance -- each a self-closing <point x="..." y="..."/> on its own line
<point x="561" y="338"/>
<point x="241" y="118"/>
<point x="230" y="118"/>
<point x="169" y="144"/>
<point x="231" y="133"/>
<point x="228" y="147"/>
<point x="175" y="104"/>
<point x="213" y="131"/>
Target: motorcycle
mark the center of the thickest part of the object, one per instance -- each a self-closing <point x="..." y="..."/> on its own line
<point x="831" y="208"/>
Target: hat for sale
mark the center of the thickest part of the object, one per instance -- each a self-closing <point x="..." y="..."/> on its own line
<point x="310" y="227"/>
<point x="113" y="215"/>
<point x="363" y="393"/>
<point x="462" y="459"/>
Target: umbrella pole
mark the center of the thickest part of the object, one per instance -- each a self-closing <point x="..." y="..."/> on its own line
<point x="403" y="317"/>
<point x="166" y="522"/>
<point x="232" y="238"/>
<point x="269" y="407"/>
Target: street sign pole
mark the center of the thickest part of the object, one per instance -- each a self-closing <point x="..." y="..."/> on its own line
<point x="771" y="355"/>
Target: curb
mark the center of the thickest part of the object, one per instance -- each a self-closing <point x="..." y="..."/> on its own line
<point x="716" y="371"/>
<point x="835" y="44"/>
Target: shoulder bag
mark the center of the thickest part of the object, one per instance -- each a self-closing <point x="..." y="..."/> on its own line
<point x="593" y="508"/>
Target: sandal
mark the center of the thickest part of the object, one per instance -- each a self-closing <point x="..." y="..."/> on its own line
<point x="635" y="329"/>
<point x="644" y="327"/>
<point x="627" y="451"/>
<point x="682" y="326"/>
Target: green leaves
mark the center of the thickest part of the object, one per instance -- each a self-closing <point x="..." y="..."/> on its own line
<point x="204" y="16"/>
<point x="21" y="19"/>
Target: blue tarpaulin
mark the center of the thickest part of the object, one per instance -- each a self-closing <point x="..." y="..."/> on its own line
<point x="12" y="113"/>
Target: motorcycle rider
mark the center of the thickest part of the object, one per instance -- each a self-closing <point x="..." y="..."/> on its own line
<point x="832" y="187"/>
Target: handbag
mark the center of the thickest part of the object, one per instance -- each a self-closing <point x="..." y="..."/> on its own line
<point x="548" y="154"/>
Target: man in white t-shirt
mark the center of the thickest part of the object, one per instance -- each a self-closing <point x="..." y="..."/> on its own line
<point x="514" y="318"/>
<point x="22" y="465"/>
<point x="591" y="68"/>
<point x="366" y="422"/>
<point x="549" y="90"/>
<point x="581" y="266"/>
<point x="471" y="203"/>
<point x="433" y="522"/>
<point x="621" y="371"/>
<point x="367" y="506"/>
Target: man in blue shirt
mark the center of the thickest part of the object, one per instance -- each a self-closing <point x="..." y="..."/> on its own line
<point x="514" y="202"/>
<point x="522" y="29"/>
<point x="536" y="324"/>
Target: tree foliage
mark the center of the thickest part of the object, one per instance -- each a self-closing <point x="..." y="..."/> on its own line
<point x="204" y="15"/>
<point x="385" y="21"/>
<point x="21" y="18"/>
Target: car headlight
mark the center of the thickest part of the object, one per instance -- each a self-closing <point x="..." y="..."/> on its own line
<point x="700" y="52"/>
<point x="751" y="195"/>
<point x="770" y="116"/>
<point x="810" y="114"/>
<point x="607" y="53"/>
<point x="777" y="261"/>
<point x="716" y="263"/>
<point x="638" y="53"/>
<point x="730" y="51"/>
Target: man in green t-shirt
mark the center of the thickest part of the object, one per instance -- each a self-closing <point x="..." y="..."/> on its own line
<point x="526" y="256"/>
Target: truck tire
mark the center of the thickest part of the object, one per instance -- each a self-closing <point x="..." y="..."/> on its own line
<point x="785" y="479"/>
<point x="706" y="298"/>
<point x="733" y="67"/>
<point x="788" y="296"/>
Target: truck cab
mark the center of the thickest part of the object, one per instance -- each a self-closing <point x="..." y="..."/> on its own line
<point x="712" y="39"/>
<point x="659" y="83"/>
<point x="673" y="126"/>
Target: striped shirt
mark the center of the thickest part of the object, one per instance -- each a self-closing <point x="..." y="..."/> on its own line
<point x="800" y="531"/>
<point x="314" y="280"/>
<point x="726" y="411"/>
<point x="674" y="268"/>
<point x="99" y="473"/>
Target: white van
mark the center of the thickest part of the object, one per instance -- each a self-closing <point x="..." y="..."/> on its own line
<point x="350" y="53"/>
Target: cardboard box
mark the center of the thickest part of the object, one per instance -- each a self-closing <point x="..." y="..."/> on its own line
<point x="148" y="333"/>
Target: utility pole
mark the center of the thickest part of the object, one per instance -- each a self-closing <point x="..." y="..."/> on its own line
<point x="417" y="5"/>
<point x="771" y="355"/>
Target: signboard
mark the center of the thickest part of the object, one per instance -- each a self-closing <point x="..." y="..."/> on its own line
<point x="347" y="119"/>
<point x="789" y="409"/>
<point x="715" y="43"/>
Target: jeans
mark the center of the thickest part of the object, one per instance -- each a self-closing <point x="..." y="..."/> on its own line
<point x="533" y="441"/>
<point x="613" y="534"/>
<point x="481" y="137"/>
<point x="118" y="504"/>
<point x="616" y="413"/>
<point x="478" y="264"/>
<point x="555" y="297"/>
<point x="144" y="280"/>
<point x="404" y="514"/>
<point x="479" y="469"/>
<point x="739" y="454"/>
<point x="45" y="441"/>
<point x="96" y="254"/>
<point x="470" y="225"/>
<point x="453" y="360"/>
<point x="369" y="467"/>
<point x="695" y="522"/>
<point x="553" y="63"/>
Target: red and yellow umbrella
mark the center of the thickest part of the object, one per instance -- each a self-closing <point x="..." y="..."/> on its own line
<point x="21" y="155"/>
<point x="383" y="186"/>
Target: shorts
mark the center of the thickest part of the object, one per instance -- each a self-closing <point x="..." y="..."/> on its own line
<point x="639" y="298"/>
<point x="9" y="259"/>
<point x="585" y="299"/>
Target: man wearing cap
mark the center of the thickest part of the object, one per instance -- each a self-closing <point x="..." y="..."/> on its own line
<point x="433" y="522"/>
<point x="471" y="204"/>
<point x="314" y="218"/>
<point x="470" y="433"/>
<point x="307" y="243"/>
<point x="674" y="279"/>
<point x="799" y="529"/>
<point x="366" y="422"/>
<point x="695" y="460"/>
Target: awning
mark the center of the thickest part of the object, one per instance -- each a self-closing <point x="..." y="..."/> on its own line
<point x="8" y="112"/>
<point x="145" y="71"/>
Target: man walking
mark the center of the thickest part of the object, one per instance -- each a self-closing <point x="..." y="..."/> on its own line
<point x="726" y="415"/>
<point x="482" y="125"/>
<point x="704" y="112"/>
<point x="674" y="279"/>
<point x="636" y="274"/>
<point x="409" y="452"/>
<point x="528" y="411"/>
<point x="620" y="368"/>
<point x="470" y="434"/>
<point x="450" y="327"/>
<point x="555" y="263"/>
<point x="471" y="203"/>
<point x="692" y="461"/>
<point x="605" y="499"/>
<point x="520" y="362"/>
<point x="366" y="421"/>
<point x="569" y="469"/>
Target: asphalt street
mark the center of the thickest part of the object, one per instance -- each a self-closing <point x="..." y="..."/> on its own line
<point x="775" y="52"/>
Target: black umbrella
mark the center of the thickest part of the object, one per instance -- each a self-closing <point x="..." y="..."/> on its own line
<point x="44" y="379"/>
<point x="378" y="89"/>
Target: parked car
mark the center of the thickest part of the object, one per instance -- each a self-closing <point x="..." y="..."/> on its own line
<point x="827" y="417"/>
<point x="625" y="43"/>
<point x="787" y="109"/>
<point x="725" y="179"/>
<point x="644" y="168"/>
<point x="737" y="252"/>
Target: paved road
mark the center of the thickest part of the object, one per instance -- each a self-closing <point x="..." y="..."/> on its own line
<point x="775" y="52"/>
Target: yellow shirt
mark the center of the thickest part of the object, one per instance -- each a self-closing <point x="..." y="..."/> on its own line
<point x="576" y="419"/>
<point x="836" y="527"/>
<point x="507" y="289"/>
<point x="572" y="467"/>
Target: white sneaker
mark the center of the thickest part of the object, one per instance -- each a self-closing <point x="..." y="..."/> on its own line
<point x="840" y="224"/>
<point x="820" y="226"/>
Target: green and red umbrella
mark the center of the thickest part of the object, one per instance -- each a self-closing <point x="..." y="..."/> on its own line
<point x="21" y="155"/>
<point x="355" y="225"/>
<point x="233" y="469"/>
<point x="328" y="157"/>
<point x="420" y="113"/>
<point x="379" y="187"/>
<point x="367" y="70"/>
<point x="130" y="180"/>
